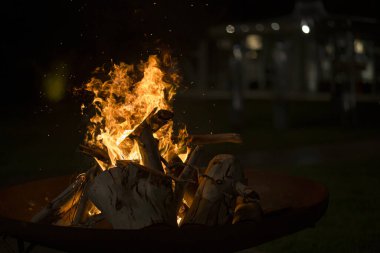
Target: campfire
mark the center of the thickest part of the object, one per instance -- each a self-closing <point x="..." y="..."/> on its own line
<point x="145" y="171"/>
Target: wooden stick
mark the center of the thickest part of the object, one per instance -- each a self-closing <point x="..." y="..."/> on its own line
<point x="92" y="220"/>
<point x="201" y="139"/>
<point x="129" y="199"/>
<point x="215" y="199"/>
<point x="50" y="213"/>
<point x="148" y="147"/>
<point x="175" y="165"/>
<point x="125" y="163"/>
<point x="159" y="119"/>
<point x="95" y="152"/>
<point x="188" y="173"/>
<point x="155" y="120"/>
<point x="64" y="205"/>
<point x="84" y="204"/>
<point x="195" y="139"/>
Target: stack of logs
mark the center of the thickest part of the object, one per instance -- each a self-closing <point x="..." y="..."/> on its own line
<point x="134" y="194"/>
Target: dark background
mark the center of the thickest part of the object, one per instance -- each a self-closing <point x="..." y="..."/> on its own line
<point x="37" y="35"/>
<point x="69" y="39"/>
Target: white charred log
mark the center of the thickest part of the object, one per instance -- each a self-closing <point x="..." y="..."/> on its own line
<point x="215" y="199"/>
<point x="84" y="204"/>
<point x="70" y="206"/>
<point x="132" y="198"/>
<point x="54" y="210"/>
<point x="148" y="147"/>
<point x="188" y="173"/>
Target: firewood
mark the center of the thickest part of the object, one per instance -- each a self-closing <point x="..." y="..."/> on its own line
<point x="247" y="206"/>
<point x="95" y="152"/>
<point x="159" y="119"/>
<point x="84" y="204"/>
<point x="247" y="209"/>
<point x="156" y="121"/>
<point x="93" y="220"/>
<point x="175" y="165"/>
<point x="124" y="163"/>
<point x="148" y="147"/>
<point x="132" y="198"/>
<point x="67" y="204"/>
<point x="188" y="173"/>
<point x="61" y="204"/>
<point x="215" y="199"/>
<point x="201" y="139"/>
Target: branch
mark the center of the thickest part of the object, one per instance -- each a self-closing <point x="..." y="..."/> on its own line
<point x="95" y="152"/>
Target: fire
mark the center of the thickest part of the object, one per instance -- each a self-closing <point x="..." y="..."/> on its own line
<point x="122" y="103"/>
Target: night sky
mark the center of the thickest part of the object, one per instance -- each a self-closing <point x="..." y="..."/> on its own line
<point x="73" y="37"/>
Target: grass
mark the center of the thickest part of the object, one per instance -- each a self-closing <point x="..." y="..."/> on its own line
<point x="352" y="221"/>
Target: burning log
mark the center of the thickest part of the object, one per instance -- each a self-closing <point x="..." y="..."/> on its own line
<point x="132" y="198"/>
<point x="175" y="165"/>
<point x="75" y="200"/>
<point x="148" y="146"/>
<point x="124" y="163"/>
<point x="66" y="202"/>
<point x="84" y="204"/>
<point x="159" y="119"/>
<point x="215" y="199"/>
<point x="132" y="194"/>
<point x="95" y="152"/>
<point x="156" y="121"/>
<point x="54" y="210"/>
<point x="188" y="173"/>
<point x="94" y="219"/>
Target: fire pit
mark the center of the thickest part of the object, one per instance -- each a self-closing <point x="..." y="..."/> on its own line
<point x="147" y="189"/>
<point x="289" y="204"/>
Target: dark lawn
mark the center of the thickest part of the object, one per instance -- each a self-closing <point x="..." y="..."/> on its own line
<point x="352" y="221"/>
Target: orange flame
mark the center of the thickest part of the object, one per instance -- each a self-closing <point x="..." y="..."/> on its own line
<point x="124" y="101"/>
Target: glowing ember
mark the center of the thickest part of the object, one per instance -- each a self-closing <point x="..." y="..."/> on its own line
<point x="124" y="101"/>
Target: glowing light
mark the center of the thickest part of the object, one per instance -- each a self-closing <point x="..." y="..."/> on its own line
<point x="305" y="29"/>
<point x="230" y="29"/>
<point x="54" y="87"/>
<point x="254" y="42"/>
<point x="275" y="26"/>
<point x="358" y="46"/>
<point x="179" y="220"/>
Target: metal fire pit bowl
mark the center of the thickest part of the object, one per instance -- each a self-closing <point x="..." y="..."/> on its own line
<point x="290" y="204"/>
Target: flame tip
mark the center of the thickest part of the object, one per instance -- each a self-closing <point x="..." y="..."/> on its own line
<point x="124" y="101"/>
